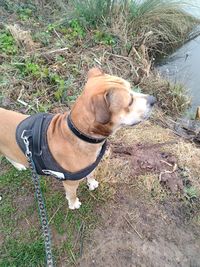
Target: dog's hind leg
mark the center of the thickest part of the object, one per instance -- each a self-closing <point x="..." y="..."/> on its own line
<point x="18" y="166"/>
<point x="91" y="182"/>
<point x="70" y="190"/>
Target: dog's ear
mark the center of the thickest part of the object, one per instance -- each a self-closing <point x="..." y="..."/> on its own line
<point x="94" y="72"/>
<point x="100" y="107"/>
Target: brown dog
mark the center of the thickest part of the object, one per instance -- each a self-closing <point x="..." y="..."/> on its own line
<point x="106" y="104"/>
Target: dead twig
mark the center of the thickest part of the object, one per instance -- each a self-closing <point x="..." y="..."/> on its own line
<point x="59" y="37"/>
<point x="57" y="51"/>
<point x="130" y="224"/>
<point x="23" y="102"/>
<point x="54" y="214"/>
<point x="19" y="98"/>
<point x="169" y="172"/>
<point x="126" y="59"/>
<point x="166" y="163"/>
<point x="135" y="52"/>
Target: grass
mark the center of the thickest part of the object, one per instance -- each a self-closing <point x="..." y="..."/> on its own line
<point x="92" y="13"/>
<point x="23" y="254"/>
<point x="167" y="21"/>
<point x="41" y="76"/>
<point x="37" y="75"/>
<point x="153" y="187"/>
<point x="22" y="244"/>
<point x="172" y="98"/>
<point x="7" y="43"/>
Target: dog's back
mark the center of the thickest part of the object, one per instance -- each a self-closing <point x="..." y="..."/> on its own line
<point x="8" y="123"/>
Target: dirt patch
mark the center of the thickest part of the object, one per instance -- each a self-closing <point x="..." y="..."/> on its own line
<point x="137" y="232"/>
<point x="149" y="158"/>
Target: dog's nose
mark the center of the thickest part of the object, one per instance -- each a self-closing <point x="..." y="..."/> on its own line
<point x="151" y="100"/>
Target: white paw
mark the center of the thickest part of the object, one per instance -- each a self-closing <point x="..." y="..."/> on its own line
<point x="21" y="167"/>
<point x="92" y="184"/>
<point x="74" y="205"/>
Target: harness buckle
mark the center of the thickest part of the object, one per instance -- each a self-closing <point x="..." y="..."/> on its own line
<point x="28" y="153"/>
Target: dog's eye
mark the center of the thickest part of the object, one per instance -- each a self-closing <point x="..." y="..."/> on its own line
<point x="131" y="102"/>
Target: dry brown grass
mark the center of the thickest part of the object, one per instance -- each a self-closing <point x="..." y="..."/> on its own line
<point x="189" y="157"/>
<point x="23" y="38"/>
<point x="172" y="98"/>
<point x="115" y="170"/>
<point x="144" y="133"/>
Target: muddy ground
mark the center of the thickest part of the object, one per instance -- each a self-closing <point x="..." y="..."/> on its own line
<point x="134" y="232"/>
<point x="147" y="223"/>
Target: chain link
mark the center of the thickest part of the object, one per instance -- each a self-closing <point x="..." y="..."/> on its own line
<point x="41" y="206"/>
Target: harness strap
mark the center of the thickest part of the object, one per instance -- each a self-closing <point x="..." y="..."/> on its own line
<point x="36" y="141"/>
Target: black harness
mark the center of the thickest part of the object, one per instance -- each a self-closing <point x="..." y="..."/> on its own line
<point x="35" y="129"/>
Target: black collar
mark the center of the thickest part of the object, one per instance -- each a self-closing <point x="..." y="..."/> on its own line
<point x="81" y="135"/>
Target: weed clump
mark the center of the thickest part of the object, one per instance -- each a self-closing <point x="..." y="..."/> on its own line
<point x="172" y="98"/>
<point x="122" y="37"/>
<point x="169" y="23"/>
<point x="7" y="43"/>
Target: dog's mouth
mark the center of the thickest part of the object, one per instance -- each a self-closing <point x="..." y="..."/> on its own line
<point x="145" y="118"/>
<point x="136" y="123"/>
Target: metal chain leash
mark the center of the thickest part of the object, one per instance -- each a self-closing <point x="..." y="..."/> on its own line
<point x="41" y="206"/>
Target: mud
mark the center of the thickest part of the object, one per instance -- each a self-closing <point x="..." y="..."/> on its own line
<point x="137" y="231"/>
<point x="146" y="158"/>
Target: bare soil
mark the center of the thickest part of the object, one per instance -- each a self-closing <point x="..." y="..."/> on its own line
<point x="137" y="230"/>
<point x="134" y="232"/>
<point x="146" y="158"/>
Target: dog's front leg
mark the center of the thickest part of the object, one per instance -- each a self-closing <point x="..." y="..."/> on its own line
<point x="91" y="182"/>
<point x="70" y="190"/>
<point x="18" y="166"/>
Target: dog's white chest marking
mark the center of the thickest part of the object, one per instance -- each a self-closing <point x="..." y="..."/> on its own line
<point x="54" y="173"/>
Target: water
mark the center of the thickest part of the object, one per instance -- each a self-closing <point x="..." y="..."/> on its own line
<point x="184" y="66"/>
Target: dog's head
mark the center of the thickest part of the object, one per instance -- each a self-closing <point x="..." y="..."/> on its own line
<point x="110" y="103"/>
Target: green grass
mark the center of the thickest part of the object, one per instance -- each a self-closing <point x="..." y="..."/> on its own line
<point x="101" y="37"/>
<point x="91" y="12"/>
<point x="22" y="243"/>
<point x="7" y="43"/>
<point x="191" y="193"/>
<point x="13" y="179"/>
<point x="167" y="21"/>
<point x="20" y="253"/>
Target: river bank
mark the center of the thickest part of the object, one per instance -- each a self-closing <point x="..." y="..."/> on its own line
<point x="57" y="57"/>
<point x="183" y="67"/>
<point x="149" y="173"/>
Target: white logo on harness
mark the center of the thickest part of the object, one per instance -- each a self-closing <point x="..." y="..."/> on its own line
<point x="57" y="174"/>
